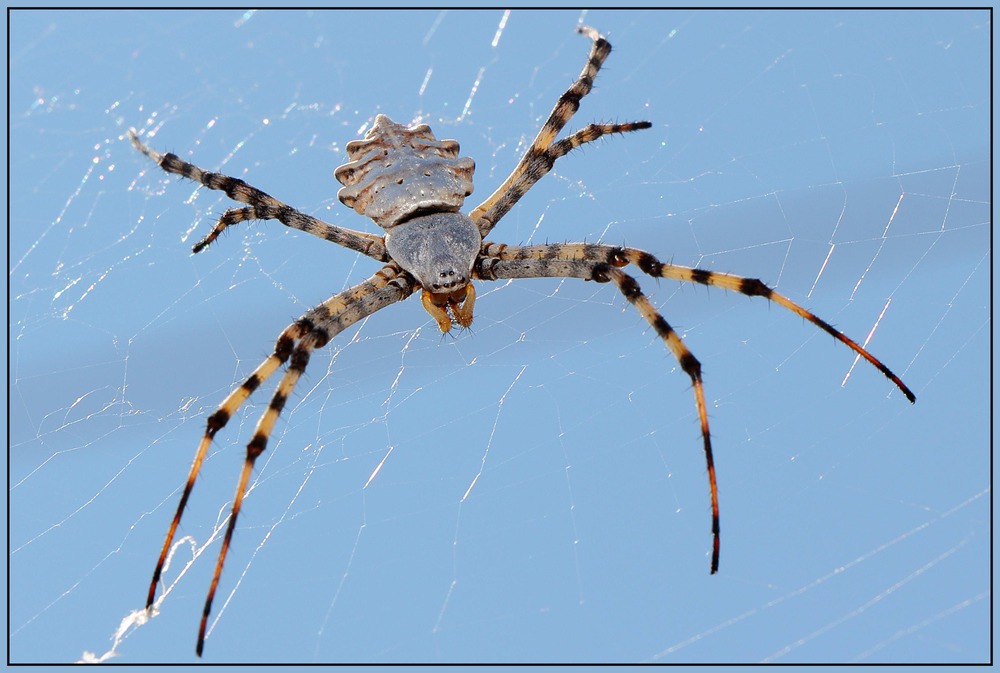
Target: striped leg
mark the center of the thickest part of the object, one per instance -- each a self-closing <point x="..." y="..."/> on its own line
<point x="526" y="173"/>
<point x="517" y="266"/>
<point x="649" y="264"/>
<point x="313" y="330"/>
<point x="218" y="420"/>
<point x="327" y="320"/>
<point x="262" y="206"/>
<point x="539" y="166"/>
<point x="603" y="263"/>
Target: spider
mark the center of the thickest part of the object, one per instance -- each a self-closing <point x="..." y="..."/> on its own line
<point x="413" y="186"/>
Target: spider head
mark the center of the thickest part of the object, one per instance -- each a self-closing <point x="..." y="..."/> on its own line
<point x="437" y="249"/>
<point x="398" y="171"/>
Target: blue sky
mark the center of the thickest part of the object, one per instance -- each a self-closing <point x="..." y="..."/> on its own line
<point x="841" y="156"/>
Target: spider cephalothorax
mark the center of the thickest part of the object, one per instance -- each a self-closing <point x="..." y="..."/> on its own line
<point x="413" y="186"/>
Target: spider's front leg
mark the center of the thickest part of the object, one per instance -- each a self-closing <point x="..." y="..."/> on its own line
<point x="499" y="261"/>
<point x="619" y="257"/>
<point x="313" y="330"/>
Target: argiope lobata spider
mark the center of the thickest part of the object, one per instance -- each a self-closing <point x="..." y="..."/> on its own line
<point x="413" y="186"/>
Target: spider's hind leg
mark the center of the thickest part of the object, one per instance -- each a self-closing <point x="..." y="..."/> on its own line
<point x="539" y="158"/>
<point x="260" y="206"/>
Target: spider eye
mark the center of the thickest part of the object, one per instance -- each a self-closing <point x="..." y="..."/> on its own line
<point x="449" y="278"/>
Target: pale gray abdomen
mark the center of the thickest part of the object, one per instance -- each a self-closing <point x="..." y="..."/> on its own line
<point x="399" y="171"/>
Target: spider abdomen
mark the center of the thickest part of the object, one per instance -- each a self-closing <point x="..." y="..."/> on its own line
<point x="398" y="171"/>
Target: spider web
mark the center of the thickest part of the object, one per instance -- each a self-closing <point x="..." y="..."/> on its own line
<point x="532" y="490"/>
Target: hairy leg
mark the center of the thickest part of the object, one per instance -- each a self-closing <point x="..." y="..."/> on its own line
<point x="262" y="206"/>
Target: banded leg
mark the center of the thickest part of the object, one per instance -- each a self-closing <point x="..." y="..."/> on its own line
<point x="541" y="164"/>
<point x="649" y="264"/>
<point x="262" y="206"/>
<point x="313" y="330"/>
<point x="386" y="287"/>
<point x="488" y="213"/>
<point x="217" y="421"/>
<point x="602" y="272"/>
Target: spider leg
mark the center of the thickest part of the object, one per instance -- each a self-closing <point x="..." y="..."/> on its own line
<point x="262" y="206"/>
<point x="540" y="165"/>
<point x="388" y="286"/>
<point x="489" y="212"/>
<point x="282" y="349"/>
<point x="534" y="267"/>
<point x="649" y="264"/>
<point x="313" y="330"/>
